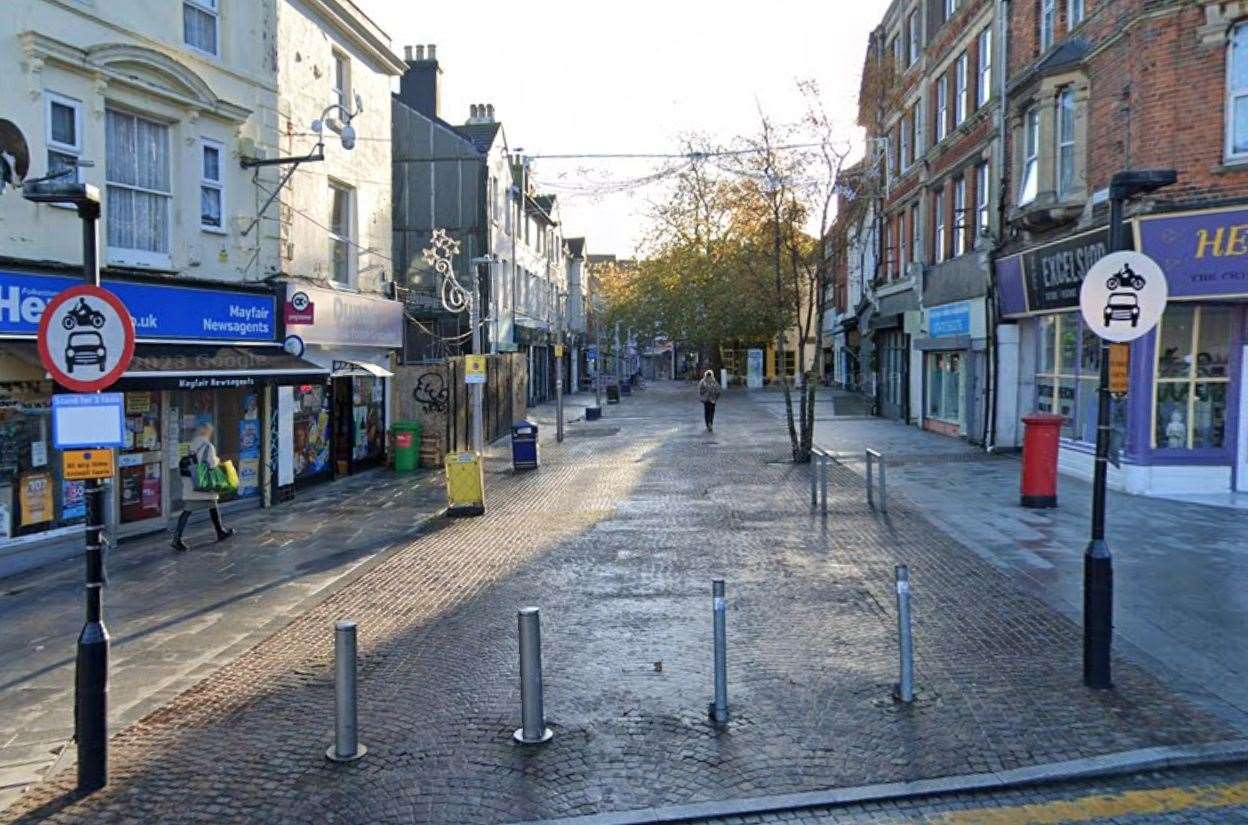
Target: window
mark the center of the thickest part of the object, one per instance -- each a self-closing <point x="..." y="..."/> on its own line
<point x="983" y="91"/>
<point x="64" y="124"/>
<point x="959" y="216"/>
<point x="1068" y="376"/>
<point x="790" y="363"/>
<point x="938" y="225"/>
<point x="1048" y="18"/>
<point x="1193" y="374"/>
<point x="211" y="188"/>
<point x="898" y="50"/>
<point x="942" y="107"/>
<point x="983" y="188"/>
<point x="916" y="123"/>
<point x="915" y="35"/>
<point x="914" y="232"/>
<point x="199" y="25"/>
<point x="139" y="188"/>
<point x="341" y="234"/>
<point x="1065" y="142"/>
<point x="951" y="6"/>
<point x="342" y="81"/>
<point x="960" y="89"/>
<point x="1031" y="147"/>
<point x="494" y="198"/>
<point x="1074" y="13"/>
<point x="1237" y="94"/>
<point x="907" y="148"/>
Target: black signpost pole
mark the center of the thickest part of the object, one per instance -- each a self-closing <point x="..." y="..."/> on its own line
<point x="91" y="676"/>
<point x="1098" y="562"/>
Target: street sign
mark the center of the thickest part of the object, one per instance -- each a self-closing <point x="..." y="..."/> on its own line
<point x="1123" y="296"/>
<point x="88" y="420"/>
<point x="1119" y="368"/>
<point x="80" y="465"/>
<point x="86" y="338"/>
<point x="558" y="350"/>
<point x="474" y="369"/>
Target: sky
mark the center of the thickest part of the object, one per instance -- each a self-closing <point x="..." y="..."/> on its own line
<point x="578" y="76"/>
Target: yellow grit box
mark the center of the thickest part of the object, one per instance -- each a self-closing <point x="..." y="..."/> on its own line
<point x="465" y="484"/>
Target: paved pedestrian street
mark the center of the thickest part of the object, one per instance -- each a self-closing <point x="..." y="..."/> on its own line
<point x="617" y="539"/>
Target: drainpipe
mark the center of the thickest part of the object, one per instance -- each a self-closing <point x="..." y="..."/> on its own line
<point x="1001" y="13"/>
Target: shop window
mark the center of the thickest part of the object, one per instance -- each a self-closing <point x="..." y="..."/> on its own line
<point x="139" y="189"/>
<point x="368" y="403"/>
<point x="140" y="462"/>
<point x="234" y="415"/>
<point x="310" y="431"/>
<point x="1192" y="377"/>
<point x="944" y="386"/>
<point x="1068" y="378"/>
<point x="892" y="366"/>
<point x="33" y="496"/>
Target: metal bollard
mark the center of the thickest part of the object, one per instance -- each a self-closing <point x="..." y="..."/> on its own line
<point x="874" y="458"/>
<point x="814" y="482"/>
<point x="346" y="747"/>
<point x="870" y="481"/>
<point x="718" y="709"/>
<point x="883" y="485"/>
<point x="533" y="728"/>
<point x="905" y="687"/>
<point x="823" y="480"/>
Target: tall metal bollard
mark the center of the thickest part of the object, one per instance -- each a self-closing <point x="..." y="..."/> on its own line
<point x="718" y="710"/>
<point x="883" y="485"/>
<point x="814" y="482"/>
<point x="824" y="459"/>
<point x="346" y="747"/>
<point x="905" y="687"/>
<point x="533" y="728"/>
<point x="870" y="481"/>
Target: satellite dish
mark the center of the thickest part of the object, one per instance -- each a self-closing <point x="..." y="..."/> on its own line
<point x="14" y="155"/>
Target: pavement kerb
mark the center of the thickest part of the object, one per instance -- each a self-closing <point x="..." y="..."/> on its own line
<point x="1169" y="757"/>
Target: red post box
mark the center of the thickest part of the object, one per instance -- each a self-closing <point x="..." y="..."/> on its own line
<point x="1040" y="445"/>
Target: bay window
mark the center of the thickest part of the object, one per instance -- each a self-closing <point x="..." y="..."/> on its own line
<point x="139" y="189"/>
<point x="1030" y="178"/>
<point x="1192" y="376"/>
<point x="1065" y="142"/>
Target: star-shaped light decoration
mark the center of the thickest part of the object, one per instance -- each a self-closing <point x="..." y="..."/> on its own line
<point x="439" y="254"/>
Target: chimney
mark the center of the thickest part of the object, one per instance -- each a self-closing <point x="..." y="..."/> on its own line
<point x="420" y="85"/>
<point x="481" y="113"/>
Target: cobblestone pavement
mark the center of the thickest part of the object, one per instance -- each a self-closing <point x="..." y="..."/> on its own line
<point x="1204" y="797"/>
<point x="617" y="538"/>
<point x="1177" y="563"/>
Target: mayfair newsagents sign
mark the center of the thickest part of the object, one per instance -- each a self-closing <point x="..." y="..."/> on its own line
<point x="1052" y="274"/>
<point x="346" y="318"/>
<point x="160" y="312"/>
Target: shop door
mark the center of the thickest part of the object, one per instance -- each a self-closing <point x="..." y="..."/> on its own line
<point x="343" y="426"/>
<point x="140" y="462"/>
<point x="1241" y="471"/>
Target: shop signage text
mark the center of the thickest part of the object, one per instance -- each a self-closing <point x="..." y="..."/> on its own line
<point x="950" y="319"/>
<point x="81" y="465"/>
<point x="159" y="311"/>
<point x="1052" y="274"/>
<point x="349" y="318"/>
<point x="1202" y="253"/>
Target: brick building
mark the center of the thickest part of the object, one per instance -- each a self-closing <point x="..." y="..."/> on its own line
<point x="1095" y="87"/>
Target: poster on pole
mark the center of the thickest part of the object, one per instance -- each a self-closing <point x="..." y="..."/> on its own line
<point x="474" y="369"/>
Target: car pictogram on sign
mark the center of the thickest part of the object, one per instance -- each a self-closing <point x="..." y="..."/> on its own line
<point x="85" y="348"/>
<point x="1122" y="306"/>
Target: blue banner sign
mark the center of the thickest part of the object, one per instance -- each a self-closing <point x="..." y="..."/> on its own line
<point x="950" y="319"/>
<point x="160" y="312"/>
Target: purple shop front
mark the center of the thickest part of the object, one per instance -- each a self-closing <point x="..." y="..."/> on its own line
<point x="1181" y="428"/>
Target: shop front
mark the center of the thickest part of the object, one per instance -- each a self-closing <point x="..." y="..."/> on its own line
<point x="205" y="356"/>
<point x="1180" y="428"/>
<point x="953" y="347"/>
<point x="336" y="426"/>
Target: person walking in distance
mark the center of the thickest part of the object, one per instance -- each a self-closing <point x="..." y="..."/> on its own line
<point x="201" y="450"/>
<point x="708" y="391"/>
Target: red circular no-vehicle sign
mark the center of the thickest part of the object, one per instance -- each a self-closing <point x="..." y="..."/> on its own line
<point x="86" y="338"/>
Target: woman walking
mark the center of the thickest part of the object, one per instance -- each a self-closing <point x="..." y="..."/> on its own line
<point x="708" y="391"/>
<point x="201" y="451"/>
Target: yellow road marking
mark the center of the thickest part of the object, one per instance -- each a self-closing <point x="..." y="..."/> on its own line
<point x="1103" y="806"/>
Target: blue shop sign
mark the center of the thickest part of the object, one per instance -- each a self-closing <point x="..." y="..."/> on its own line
<point x="160" y="312"/>
<point x="950" y="319"/>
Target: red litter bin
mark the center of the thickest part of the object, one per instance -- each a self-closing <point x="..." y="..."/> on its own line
<point x="1040" y="445"/>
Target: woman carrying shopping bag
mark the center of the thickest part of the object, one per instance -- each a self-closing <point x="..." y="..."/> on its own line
<point x="203" y="479"/>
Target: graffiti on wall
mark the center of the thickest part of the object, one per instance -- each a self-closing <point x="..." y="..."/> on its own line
<point x="430" y="392"/>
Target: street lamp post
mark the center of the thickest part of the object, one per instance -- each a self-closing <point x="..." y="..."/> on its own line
<point x="559" y="298"/>
<point x="1098" y="563"/>
<point x="456" y="298"/>
<point x="91" y="666"/>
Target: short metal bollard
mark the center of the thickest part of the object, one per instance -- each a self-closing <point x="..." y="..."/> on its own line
<point x="814" y="481"/>
<point x="718" y="709"/>
<point x="905" y="685"/>
<point x="346" y="747"/>
<point x="824" y="461"/>
<point x="874" y="457"/>
<point x="533" y="730"/>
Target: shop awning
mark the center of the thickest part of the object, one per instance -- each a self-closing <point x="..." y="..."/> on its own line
<point x="350" y="369"/>
<point x="192" y="366"/>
